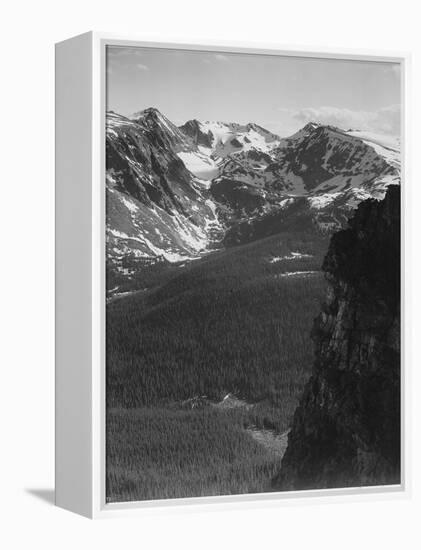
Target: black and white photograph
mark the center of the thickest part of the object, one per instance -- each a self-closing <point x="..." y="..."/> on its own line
<point x="253" y="258"/>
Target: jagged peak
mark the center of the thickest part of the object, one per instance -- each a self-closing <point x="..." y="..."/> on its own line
<point x="148" y="111"/>
<point x="193" y="122"/>
<point x="312" y="126"/>
<point x="152" y="118"/>
<point x="316" y="128"/>
<point x="151" y="113"/>
<point x="113" y="114"/>
<point x="254" y="126"/>
<point x="260" y="129"/>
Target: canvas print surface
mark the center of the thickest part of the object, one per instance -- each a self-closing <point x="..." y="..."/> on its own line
<point x="253" y="273"/>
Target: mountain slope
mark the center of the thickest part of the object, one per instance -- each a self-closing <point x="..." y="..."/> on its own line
<point x="331" y="169"/>
<point x="216" y="141"/>
<point x="329" y="159"/>
<point x="214" y="326"/>
<point x="317" y="159"/>
<point x="156" y="208"/>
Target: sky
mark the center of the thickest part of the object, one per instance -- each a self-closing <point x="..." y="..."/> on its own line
<point x="281" y="93"/>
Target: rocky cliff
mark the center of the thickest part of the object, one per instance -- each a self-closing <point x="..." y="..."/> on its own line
<point x="346" y="429"/>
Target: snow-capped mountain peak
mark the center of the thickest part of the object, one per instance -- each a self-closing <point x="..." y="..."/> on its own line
<point x="172" y="192"/>
<point x="153" y="120"/>
<point x="311" y="126"/>
<point x="157" y="210"/>
<point x="221" y="139"/>
<point x="149" y="112"/>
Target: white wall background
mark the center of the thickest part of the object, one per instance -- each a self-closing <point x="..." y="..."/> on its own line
<point x="28" y="32"/>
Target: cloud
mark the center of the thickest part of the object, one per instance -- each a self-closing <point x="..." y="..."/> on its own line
<point x="396" y="70"/>
<point x="118" y="51"/>
<point x="118" y="58"/>
<point x="216" y="57"/>
<point x="386" y="120"/>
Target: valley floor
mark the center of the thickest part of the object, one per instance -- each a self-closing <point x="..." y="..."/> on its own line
<point x="169" y="452"/>
<point x="205" y="365"/>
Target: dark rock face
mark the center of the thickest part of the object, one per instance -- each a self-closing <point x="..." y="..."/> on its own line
<point x="346" y="429"/>
<point x="192" y="129"/>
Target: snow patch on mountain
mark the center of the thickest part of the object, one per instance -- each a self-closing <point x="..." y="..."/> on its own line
<point x="227" y="138"/>
<point x="129" y="204"/>
<point x="389" y="142"/>
<point x="386" y="146"/>
<point x="297" y="273"/>
<point x="291" y="256"/>
<point x="321" y="201"/>
<point x="200" y="164"/>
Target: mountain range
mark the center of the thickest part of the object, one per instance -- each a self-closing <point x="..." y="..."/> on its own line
<point x="224" y="242"/>
<point x="175" y="193"/>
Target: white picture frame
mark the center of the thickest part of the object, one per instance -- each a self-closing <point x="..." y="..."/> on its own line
<point x="80" y="280"/>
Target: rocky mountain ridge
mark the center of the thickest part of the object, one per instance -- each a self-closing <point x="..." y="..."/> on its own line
<point x="175" y="193"/>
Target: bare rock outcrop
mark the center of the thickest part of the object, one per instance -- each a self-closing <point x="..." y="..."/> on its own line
<point x="346" y="429"/>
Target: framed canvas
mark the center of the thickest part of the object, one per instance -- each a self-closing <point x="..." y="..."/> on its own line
<point x="229" y="252"/>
